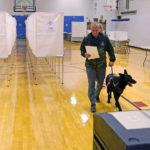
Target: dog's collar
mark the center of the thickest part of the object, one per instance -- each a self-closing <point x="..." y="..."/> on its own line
<point x="115" y="84"/>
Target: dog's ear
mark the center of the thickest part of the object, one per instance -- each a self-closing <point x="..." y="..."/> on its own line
<point x="125" y="71"/>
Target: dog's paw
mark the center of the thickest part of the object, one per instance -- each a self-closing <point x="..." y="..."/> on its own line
<point x="108" y="101"/>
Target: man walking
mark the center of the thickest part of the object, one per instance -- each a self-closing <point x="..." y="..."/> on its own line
<point x="96" y="68"/>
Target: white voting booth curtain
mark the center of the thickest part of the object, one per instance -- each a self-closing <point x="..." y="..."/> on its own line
<point x="118" y="35"/>
<point x="45" y="34"/>
<point x="7" y="34"/>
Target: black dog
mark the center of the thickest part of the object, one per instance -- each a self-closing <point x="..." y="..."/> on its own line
<point x="117" y="84"/>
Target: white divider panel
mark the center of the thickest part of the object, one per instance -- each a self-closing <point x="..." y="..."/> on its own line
<point x="45" y="34"/>
<point x="7" y="34"/>
<point x="78" y="29"/>
<point x="118" y="35"/>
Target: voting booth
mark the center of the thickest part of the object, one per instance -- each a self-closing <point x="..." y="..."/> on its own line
<point x="118" y="35"/>
<point x="128" y="130"/>
<point x="45" y="34"/>
<point x="7" y="42"/>
<point x="7" y="34"/>
<point x="119" y="41"/>
<point x="45" y="40"/>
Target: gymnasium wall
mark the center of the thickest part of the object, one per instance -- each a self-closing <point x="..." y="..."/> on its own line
<point x="69" y="7"/>
<point x="99" y="10"/>
<point x="88" y="8"/>
<point x="138" y="27"/>
<point x="139" y="30"/>
<point x="6" y="5"/>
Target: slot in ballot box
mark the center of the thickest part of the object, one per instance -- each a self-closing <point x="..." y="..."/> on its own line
<point x="128" y="130"/>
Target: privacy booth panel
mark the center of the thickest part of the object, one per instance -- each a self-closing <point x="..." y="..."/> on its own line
<point x="48" y="34"/>
<point x="7" y="34"/>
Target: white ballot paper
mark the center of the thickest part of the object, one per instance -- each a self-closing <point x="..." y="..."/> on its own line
<point x="92" y="50"/>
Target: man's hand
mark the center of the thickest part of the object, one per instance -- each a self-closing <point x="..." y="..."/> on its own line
<point x="87" y="55"/>
<point x="111" y="64"/>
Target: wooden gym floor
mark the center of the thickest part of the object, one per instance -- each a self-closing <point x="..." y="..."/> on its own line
<point x="51" y="116"/>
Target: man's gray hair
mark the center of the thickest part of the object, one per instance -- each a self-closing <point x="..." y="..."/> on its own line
<point x="97" y="24"/>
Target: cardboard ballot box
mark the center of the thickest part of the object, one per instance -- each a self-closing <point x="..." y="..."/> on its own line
<point x="128" y="130"/>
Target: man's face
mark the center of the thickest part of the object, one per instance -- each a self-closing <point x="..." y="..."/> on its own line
<point x="95" y="30"/>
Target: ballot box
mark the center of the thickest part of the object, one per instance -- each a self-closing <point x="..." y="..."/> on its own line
<point x="128" y="130"/>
